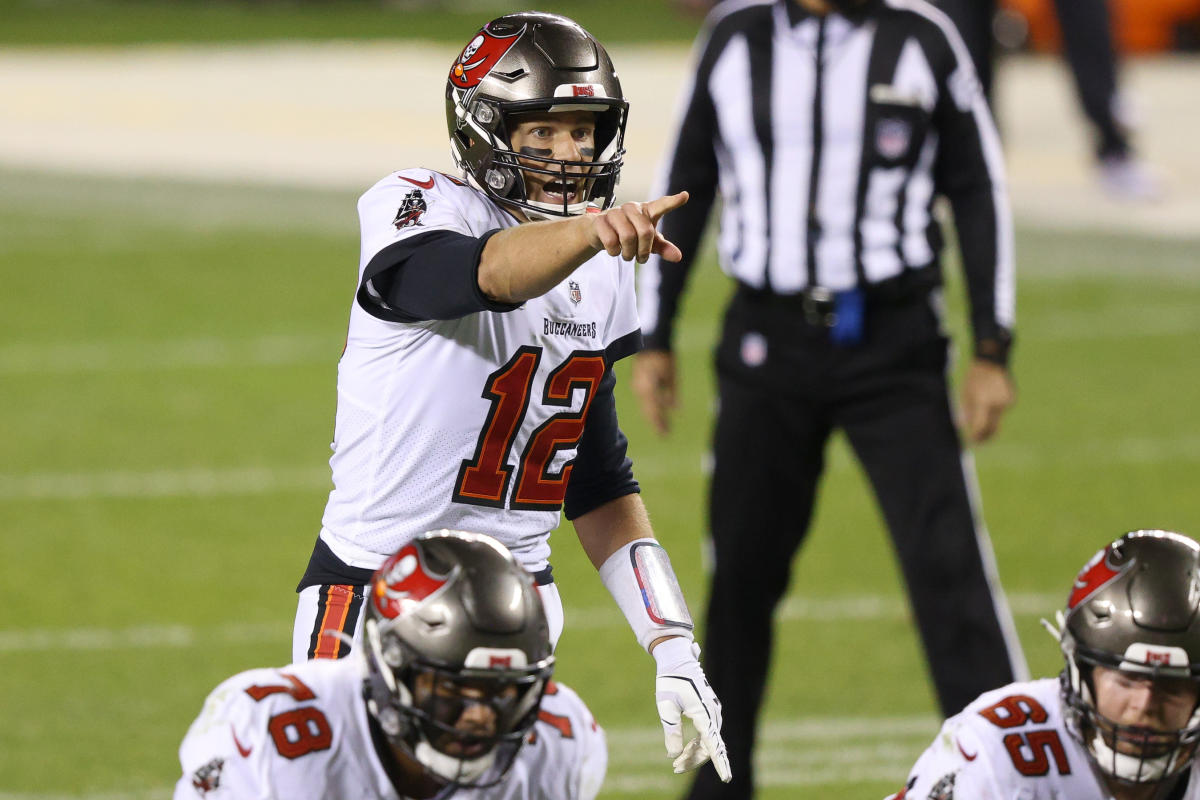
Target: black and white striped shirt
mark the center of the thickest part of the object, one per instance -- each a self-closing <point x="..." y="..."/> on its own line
<point x="828" y="138"/>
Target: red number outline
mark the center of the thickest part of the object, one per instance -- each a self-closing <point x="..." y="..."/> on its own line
<point x="483" y="480"/>
<point x="536" y="488"/>
<point x="1039" y="743"/>
<point x="1016" y="710"/>
<point x="557" y="721"/>
<point x="309" y="722"/>
<point x="296" y="689"/>
<point x="309" y="737"/>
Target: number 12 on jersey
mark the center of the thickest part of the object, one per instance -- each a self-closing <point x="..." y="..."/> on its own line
<point x="483" y="480"/>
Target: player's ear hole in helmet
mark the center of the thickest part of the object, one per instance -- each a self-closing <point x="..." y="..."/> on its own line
<point x="1132" y="625"/>
<point x="457" y="656"/>
<point x="534" y="62"/>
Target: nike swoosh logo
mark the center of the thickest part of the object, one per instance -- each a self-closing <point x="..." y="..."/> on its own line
<point x="245" y="751"/>
<point x="423" y="184"/>
<point x="968" y="757"/>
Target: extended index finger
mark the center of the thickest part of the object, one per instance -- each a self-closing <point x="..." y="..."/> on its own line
<point x="656" y="208"/>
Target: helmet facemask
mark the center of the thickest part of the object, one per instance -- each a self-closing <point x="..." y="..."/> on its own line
<point x="586" y="184"/>
<point x="463" y="726"/>
<point x="503" y="169"/>
<point x="1132" y="754"/>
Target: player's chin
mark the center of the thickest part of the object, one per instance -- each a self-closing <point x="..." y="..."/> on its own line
<point x="1142" y="742"/>
<point x="467" y="751"/>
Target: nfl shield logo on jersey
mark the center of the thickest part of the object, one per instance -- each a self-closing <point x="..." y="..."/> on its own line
<point x="574" y="292"/>
<point x="410" y="210"/>
<point x="892" y="137"/>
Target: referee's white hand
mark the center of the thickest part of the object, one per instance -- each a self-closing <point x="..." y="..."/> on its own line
<point x="680" y="689"/>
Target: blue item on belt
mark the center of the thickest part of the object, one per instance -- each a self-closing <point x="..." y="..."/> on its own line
<point x="847" y="328"/>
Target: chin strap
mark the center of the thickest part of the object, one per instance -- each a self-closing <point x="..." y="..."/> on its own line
<point x="458" y="770"/>
<point x="1133" y="768"/>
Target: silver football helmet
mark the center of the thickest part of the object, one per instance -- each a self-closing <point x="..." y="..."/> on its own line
<point x="530" y="62"/>
<point x="457" y="655"/>
<point x="1134" y="607"/>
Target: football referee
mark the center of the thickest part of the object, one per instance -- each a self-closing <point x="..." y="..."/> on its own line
<point x="830" y="127"/>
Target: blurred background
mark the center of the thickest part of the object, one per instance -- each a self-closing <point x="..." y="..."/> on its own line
<point x="178" y="248"/>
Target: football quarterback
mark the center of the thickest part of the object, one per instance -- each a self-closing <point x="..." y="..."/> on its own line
<point x="475" y="391"/>
<point x="1122" y="721"/>
<point x="451" y="695"/>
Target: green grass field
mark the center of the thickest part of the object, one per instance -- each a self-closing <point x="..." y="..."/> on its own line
<point x="167" y="358"/>
<point x="119" y="22"/>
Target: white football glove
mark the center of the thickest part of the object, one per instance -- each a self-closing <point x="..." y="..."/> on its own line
<point x="680" y="690"/>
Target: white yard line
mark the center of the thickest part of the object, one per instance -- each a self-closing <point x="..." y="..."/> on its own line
<point x="119" y="356"/>
<point x="850" y="608"/>
<point x="1096" y="453"/>
<point x="163" y="483"/>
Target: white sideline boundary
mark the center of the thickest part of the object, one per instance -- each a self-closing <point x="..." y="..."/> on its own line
<point x="338" y="121"/>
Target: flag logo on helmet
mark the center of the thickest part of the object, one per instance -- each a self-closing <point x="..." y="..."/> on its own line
<point x="479" y="56"/>
<point x="403" y="582"/>
<point x="1094" y="575"/>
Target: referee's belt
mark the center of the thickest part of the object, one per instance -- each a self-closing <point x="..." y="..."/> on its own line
<point x="818" y="304"/>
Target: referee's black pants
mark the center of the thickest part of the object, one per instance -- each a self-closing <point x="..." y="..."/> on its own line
<point x="890" y="395"/>
<point x="1087" y="37"/>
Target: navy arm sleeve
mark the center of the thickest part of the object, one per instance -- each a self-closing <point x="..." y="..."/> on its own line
<point x="602" y="470"/>
<point x="433" y="275"/>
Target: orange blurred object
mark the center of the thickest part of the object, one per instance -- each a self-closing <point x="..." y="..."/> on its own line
<point x="1141" y="26"/>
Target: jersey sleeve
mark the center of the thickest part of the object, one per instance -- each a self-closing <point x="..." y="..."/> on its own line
<point x="422" y="236"/>
<point x="569" y="752"/>
<point x="271" y="734"/>
<point x="623" y="333"/>
<point x="412" y="202"/>
<point x="956" y="764"/>
<point x="221" y="755"/>
<point x="1011" y="742"/>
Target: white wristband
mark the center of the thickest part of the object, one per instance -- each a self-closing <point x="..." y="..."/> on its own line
<point x="640" y="579"/>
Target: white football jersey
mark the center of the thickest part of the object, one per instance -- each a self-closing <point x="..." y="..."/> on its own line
<point x="300" y="732"/>
<point x="469" y="423"/>
<point x="1012" y="743"/>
